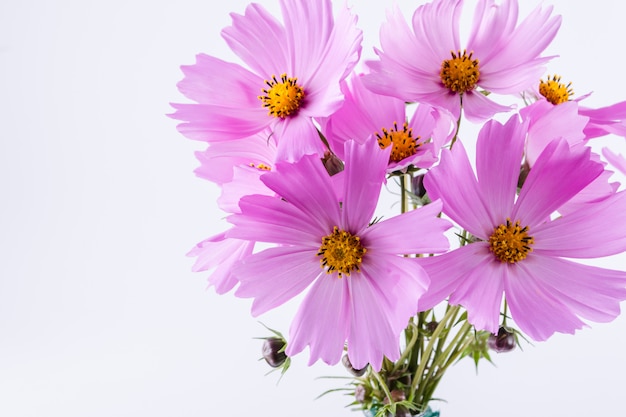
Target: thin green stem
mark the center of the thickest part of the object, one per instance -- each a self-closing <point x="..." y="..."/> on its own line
<point x="409" y="347"/>
<point x="458" y="125"/>
<point x="428" y="350"/>
<point x="383" y="386"/>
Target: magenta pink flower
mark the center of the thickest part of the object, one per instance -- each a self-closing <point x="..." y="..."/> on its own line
<point x="428" y="63"/>
<point x="517" y="251"/>
<point x="367" y="115"/>
<point x="362" y="290"/>
<point x="294" y="76"/>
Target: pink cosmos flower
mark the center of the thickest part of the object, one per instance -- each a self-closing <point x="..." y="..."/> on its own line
<point x="367" y="115"/>
<point x="429" y="64"/>
<point x="547" y="122"/>
<point x="236" y="166"/>
<point x="360" y="287"/>
<point x="601" y="121"/>
<point x="294" y="75"/>
<point x="518" y="252"/>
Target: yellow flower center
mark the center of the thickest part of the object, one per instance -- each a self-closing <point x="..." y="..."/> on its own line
<point x="341" y="251"/>
<point x="510" y="243"/>
<point x="555" y="91"/>
<point x="261" y="166"/>
<point x="460" y="74"/>
<point x="282" y="98"/>
<point x="402" y="141"/>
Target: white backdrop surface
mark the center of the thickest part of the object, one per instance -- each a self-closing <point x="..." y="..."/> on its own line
<point x="100" y="314"/>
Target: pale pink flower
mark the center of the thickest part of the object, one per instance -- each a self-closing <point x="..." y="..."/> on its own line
<point x="428" y="63"/>
<point x="361" y="290"/>
<point x="369" y="116"/>
<point x="518" y="252"/>
<point x="293" y="77"/>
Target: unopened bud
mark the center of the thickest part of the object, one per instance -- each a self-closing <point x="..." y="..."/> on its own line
<point x="273" y="351"/>
<point x="332" y="163"/>
<point x="504" y="341"/>
<point x="356" y="372"/>
<point x="418" y="186"/>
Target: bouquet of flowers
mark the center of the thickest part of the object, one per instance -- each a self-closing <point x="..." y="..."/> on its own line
<point x="303" y="137"/>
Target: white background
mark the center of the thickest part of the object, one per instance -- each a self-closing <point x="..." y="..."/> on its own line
<point x="99" y="312"/>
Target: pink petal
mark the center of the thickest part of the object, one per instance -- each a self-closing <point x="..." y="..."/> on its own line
<point x="220" y="254"/>
<point x="208" y="80"/>
<point x="276" y="275"/>
<point x="535" y="307"/>
<point x="499" y="152"/>
<point x="529" y="39"/>
<point x="340" y="53"/>
<point x="322" y="321"/>
<point x="212" y="123"/>
<point x="481" y="289"/>
<point x="271" y="219"/>
<point x="381" y="308"/>
<point x="364" y="174"/>
<point x="254" y="36"/>
<point x="448" y="270"/>
<point x="453" y="181"/>
<point x="598" y="229"/>
<point x="298" y="136"/>
<point x="544" y="190"/>
<point x="617" y="161"/>
<point x="306" y="185"/>
<point x="389" y="236"/>
<point x="478" y="108"/>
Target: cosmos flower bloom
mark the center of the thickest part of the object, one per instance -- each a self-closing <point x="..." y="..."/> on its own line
<point x="362" y="290"/>
<point x="547" y="122"/>
<point x="294" y="75"/>
<point x="236" y="166"/>
<point x="600" y="122"/>
<point x="517" y="251"/>
<point x="429" y="64"/>
<point x="367" y="115"/>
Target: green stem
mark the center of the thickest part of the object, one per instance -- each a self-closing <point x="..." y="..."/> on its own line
<point x="409" y="346"/>
<point x="458" y="125"/>
<point x="429" y="348"/>
<point x="383" y="386"/>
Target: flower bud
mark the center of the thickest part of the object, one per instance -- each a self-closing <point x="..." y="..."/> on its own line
<point x="332" y="163"/>
<point x="356" y="372"/>
<point x="504" y="341"/>
<point x="273" y="351"/>
<point x="418" y="186"/>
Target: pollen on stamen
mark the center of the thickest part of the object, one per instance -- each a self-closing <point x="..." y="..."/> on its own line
<point x="341" y="252"/>
<point x="260" y="167"/>
<point x="282" y="98"/>
<point x="555" y="91"/>
<point x="402" y="141"/>
<point x="510" y="242"/>
<point x="460" y="74"/>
